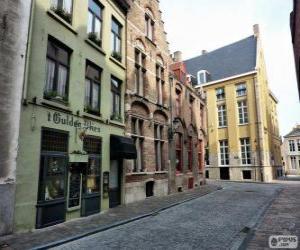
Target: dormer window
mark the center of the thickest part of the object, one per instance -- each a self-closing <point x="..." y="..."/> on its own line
<point x="220" y="93"/>
<point x="241" y="89"/>
<point x="149" y="23"/>
<point x="203" y="76"/>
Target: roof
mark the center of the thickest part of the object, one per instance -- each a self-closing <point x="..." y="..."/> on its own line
<point x="234" y="59"/>
<point x="294" y="132"/>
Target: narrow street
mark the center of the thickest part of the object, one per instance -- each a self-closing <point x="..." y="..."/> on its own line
<point x="219" y="220"/>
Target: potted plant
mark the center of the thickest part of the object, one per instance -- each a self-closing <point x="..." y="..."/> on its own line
<point x="62" y="13"/>
<point x="116" y="117"/>
<point x="117" y="55"/>
<point x="94" y="38"/>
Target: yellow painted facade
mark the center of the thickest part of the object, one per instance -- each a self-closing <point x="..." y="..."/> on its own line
<point x="261" y="128"/>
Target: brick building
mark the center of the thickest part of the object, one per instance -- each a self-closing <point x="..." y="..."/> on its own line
<point x="295" y="30"/>
<point x="147" y="101"/>
<point x="188" y="136"/>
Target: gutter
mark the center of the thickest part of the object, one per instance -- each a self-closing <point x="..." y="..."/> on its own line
<point x="226" y="79"/>
<point x="28" y="50"/>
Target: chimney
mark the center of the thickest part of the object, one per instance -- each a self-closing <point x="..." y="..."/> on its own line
<point x="177" y="56"/>
<point x="256" y="30"/>
<point x="204" y="52"/>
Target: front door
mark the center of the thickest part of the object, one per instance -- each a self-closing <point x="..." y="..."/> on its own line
<point x="224" y="173"/>
<point x="115" y="183"/>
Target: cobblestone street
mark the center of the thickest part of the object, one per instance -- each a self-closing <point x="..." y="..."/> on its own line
<point x="220" y="220"/>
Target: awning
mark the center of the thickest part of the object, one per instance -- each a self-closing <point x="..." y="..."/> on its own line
<point x="122" y="148"/>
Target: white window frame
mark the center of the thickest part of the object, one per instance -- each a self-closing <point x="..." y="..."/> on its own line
<point x="224" y="153"/>
<point x="242" y="112"/>
<point x="205" y="74"/>
<point x="241" y="89"/>
<point x="246" y="151"/>
<point x="220" y="92"/>
<point x="292" y="147"/>
<point x="293" y="159"/>
<point x="222" y="116"/>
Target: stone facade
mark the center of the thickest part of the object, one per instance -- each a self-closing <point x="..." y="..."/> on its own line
<point x="291" y="152"/>
<point x="295" y="31"/>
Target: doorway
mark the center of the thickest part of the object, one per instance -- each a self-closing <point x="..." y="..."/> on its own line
<point x="115" y="183"/>
<point x="149" y="188"/>
<point x="224" y="173"/>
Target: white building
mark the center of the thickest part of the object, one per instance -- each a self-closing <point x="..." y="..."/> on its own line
<point x="291" y="152"/>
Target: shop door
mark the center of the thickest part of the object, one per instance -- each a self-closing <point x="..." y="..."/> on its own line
<point x="115" y="184"/>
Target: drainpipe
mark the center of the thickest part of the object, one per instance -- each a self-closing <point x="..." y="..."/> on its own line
<point x="259" y="125"/>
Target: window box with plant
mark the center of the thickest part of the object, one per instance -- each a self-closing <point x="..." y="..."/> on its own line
<point x="117" y="55"/>
<point x="93" y="36"/>
<point x="62" y="8"/>
<point x="92" y="89"/>
<point x="57" y="71"/>
<point x="116" y="117"/>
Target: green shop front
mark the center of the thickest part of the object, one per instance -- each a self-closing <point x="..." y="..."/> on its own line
<point x="79" y="164"/>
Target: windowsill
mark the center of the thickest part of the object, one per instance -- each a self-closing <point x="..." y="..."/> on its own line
<point x="95" y="46"/>
<point x="121" y="124"/>
<point x="222" y="127"/>
<point x="72" y="209"/>
<point x="151" y="41"/>
<point x="244" y="124"/>
<point x="117" y="62"/>
<point x="147" y="173"/>
<point x="161" y="172"/>
<point x="62" y="21"/>
<point x="94" y="117"/>
<point x="56" y="104"/>
<point x="221" y="100"/>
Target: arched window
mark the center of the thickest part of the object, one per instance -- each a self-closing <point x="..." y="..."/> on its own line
<point x="149" y="24"/>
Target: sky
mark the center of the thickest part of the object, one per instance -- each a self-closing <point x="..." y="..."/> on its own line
<point x="196" y="25"/>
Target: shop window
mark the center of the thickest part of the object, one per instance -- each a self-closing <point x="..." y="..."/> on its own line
<point x="57" y="71"/>
<point x="53" y="165"/>
<point x="92" y="89"/>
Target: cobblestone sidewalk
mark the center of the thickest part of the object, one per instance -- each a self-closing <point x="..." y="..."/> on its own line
<point x="281" y="218"/>
<point x="89" y="225"/>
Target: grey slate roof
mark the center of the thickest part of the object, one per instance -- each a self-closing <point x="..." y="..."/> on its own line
<point x="294" y="132"/>
<point x="234" y="59"/>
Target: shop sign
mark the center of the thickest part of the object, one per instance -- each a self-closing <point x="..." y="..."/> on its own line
<point x="72" y="121"/>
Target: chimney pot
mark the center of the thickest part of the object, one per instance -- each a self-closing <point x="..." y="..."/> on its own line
<point x="256" y="30"/>
<point x="178" y="56"/>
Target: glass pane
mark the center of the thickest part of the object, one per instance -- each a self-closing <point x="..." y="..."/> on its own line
<point x="114" y="175"/>
<point x="97" y="27"/>
<point x="90" y="22"/>
<point x="74" y="188"/>
<point x="118" y="44"/>
<point x="95" y="102"/>
<point x="115" y="27"/>
<point x="95" y="8"/>
<point x="53" y="3"/>
<point x="67" y="5"/>
<point x="56" y="166"/>
<point x="62" y="80"/>
<point x="50" y="75"/>
<point x="87" y="92"/>
<point x="54" y="188"/>
<point x="113" y="46"/>
<point x="117" y="104"/>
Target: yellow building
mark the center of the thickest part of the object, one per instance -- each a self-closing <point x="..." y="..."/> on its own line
<point x="243" y="134"/>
